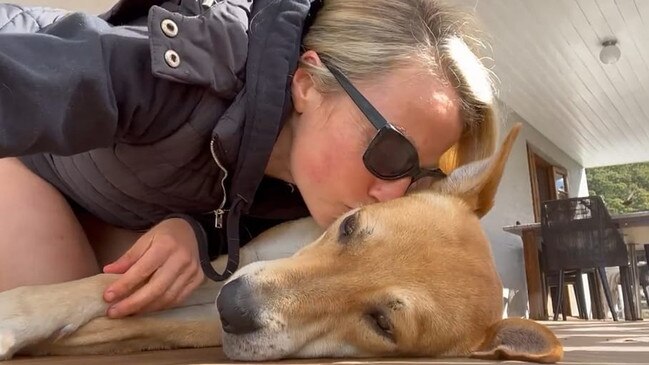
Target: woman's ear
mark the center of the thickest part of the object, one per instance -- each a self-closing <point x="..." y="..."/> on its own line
<point x="303" y="88"/>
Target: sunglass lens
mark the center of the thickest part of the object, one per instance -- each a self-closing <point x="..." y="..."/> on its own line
<point x="390" y="155"/>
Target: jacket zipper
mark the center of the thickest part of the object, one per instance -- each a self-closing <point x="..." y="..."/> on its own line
<point x="218" y="213"/>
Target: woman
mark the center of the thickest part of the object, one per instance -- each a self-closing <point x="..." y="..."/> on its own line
<point x="130" y="137"/>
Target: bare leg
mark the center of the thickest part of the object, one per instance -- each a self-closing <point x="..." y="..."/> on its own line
<point x="42" y="242"/>
<point x="108" y="242"/>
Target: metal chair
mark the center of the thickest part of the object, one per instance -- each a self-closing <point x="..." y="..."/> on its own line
<point x="643" y="275"/>
<point x="578" y="233"/>
<point x="572" y="277"/>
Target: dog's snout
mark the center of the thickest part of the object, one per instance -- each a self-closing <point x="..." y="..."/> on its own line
<point x="237" y="308"/>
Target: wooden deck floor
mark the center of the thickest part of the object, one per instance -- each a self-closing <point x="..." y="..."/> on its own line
<point x="585" y="342"/>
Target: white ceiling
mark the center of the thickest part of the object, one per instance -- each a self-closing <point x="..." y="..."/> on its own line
<point x="546" y="57"/>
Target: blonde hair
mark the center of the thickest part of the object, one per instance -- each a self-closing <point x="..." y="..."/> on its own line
<point x="368" y="37"/>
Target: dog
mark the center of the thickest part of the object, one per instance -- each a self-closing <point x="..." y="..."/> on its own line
<point x="413" y="276"/>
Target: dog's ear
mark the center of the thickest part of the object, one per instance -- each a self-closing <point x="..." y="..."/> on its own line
<point x="522" y="340"/>
<point x="476" y="183"/>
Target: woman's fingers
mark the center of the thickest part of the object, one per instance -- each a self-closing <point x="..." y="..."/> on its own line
<point x="173" y="295"/>
<point x="175" y="272"/>
<point x="161" y="270"/>
<point x="137" y="274"/>
<point x="148" y="294"/>
<point x="122" y="264"/>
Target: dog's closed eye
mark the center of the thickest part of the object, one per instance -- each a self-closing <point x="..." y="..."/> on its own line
<point x="381" y="324"/>
<point x="347" y="228"/>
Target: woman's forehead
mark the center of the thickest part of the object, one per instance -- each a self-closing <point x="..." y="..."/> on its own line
<point x="417" y="103"/>
<point x="423" y="107"/>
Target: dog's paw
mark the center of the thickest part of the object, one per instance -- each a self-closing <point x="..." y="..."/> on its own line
<point x="7" y="344"/>
<point x="17" y="323"/>
<point x="37" y="315"/>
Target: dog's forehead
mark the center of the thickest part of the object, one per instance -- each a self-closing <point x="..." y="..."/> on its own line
<point x="423" y="232"/>
<point x="419" y="214"/>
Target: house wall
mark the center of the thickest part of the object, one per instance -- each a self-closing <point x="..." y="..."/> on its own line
<point x="514" y="203"/>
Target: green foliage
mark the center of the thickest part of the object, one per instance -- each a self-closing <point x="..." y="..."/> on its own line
<point x="624" y="188"/>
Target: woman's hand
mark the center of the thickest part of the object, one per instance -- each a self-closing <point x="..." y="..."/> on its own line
<point x="160" y="270"/>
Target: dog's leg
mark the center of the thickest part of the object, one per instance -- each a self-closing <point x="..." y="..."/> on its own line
<point x="185" y="327"/>
<point x="36" y="313"/>
<point x="44" y="319"/>
<point x="38" y="319"/>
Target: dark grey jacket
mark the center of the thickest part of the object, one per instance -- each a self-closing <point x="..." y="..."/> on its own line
<point x="154" y="108"/>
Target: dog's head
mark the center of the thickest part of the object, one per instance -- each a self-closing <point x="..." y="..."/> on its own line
<point x="414" y="276"/>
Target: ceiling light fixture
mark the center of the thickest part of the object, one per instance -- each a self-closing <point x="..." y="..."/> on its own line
<point x="610" y="52"/>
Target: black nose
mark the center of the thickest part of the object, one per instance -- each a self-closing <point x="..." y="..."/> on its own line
<point x="237" y="308"/>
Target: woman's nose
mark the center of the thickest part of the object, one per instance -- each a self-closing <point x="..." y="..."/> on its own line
<point x="383" y="190"/>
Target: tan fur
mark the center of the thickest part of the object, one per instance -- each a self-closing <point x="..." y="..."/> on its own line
<point x="496" y="347"/>
<point x="422" y="261"/>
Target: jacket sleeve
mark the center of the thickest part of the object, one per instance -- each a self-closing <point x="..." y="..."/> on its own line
<point x="56" y="91"/>
<point x="81" y="83"/>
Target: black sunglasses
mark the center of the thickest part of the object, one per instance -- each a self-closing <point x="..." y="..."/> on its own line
<point x="390" y="155"/>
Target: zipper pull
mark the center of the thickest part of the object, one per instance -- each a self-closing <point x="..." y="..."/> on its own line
<point x="218" y="218"/>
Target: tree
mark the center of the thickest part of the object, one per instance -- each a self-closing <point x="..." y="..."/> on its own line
<point x="624" y="188"/>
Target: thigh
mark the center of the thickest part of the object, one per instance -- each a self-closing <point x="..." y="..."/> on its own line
<point x="41" y="241"/>
<point x="108" y="242"/>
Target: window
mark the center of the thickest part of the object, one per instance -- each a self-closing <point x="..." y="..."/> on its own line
<point x="560" y="182"/>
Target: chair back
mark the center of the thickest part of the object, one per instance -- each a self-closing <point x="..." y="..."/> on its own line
<point x="578" y="233"/>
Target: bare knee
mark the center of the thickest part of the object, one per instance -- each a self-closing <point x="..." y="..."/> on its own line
<point x="42" y="242"/>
